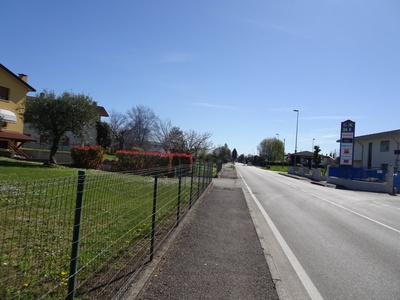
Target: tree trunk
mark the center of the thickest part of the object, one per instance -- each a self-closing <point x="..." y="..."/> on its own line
<point x="53" y="151"/>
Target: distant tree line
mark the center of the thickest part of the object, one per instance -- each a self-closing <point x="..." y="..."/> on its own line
<point x="139" y="128"/>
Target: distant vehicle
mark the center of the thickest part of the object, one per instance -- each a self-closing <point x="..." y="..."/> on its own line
<point x="249" y="164"/>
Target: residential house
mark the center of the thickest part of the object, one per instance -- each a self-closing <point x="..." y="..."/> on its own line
<point x="302" y="157"/>
<point x="327" y="160"/>
<point x="377" y="150"/>
<point x="69" y="139"/>
<point x="13" y="92"/>
<point x="305" y="158"/>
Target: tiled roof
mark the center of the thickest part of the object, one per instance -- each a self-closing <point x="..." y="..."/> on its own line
<point x="15" y="136"/>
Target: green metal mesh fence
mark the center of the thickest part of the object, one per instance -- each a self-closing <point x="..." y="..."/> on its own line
<point x="115" y="230"/>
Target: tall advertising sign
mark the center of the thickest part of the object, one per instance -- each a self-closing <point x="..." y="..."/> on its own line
<point x="347" y="142"/>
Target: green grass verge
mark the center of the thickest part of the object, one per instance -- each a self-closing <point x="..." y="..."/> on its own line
<point x="279" y="168"/>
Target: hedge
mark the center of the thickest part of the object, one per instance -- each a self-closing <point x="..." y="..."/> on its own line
<point x="88" y="157"/>
<point x="134" y="160"/>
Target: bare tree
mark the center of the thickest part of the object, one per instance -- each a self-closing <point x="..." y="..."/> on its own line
<point x="143" y="124"/>
<point x="119" y="129"/>
<point x="162" y="132"/>
<point x="196" y="141"/>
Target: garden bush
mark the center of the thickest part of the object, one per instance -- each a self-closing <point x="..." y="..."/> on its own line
<point x="88" y="157"/>
<point x="133" y="160"/>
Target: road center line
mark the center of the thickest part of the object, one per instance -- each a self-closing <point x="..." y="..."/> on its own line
<point x="356" y="213"/>
<point x="301" y="273"/>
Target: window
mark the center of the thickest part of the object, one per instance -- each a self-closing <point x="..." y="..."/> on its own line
<point x="3" y="93"/>
<point x="384" y="146"/>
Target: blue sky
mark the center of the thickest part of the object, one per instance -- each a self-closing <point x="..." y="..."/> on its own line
<point x="237" y="69"/>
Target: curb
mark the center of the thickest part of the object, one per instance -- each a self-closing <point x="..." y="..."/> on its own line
<point x="142" y="280"/>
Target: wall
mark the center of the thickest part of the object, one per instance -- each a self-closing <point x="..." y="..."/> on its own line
<point x="378" y="158"/>
<point x="61" y="157"/>
<point x="17" y="94"/>
<point x="386" y="187"/>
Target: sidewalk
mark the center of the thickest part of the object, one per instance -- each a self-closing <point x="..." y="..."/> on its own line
<point x="216" y="254"/>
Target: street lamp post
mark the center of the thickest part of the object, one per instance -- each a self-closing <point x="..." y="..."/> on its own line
<point x="295" y="145"/>
<point x="278" y="140"/>
<point x="312" y="148"/>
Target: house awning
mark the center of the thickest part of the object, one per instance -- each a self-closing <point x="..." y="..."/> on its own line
<point x="15" y="136"/>
<point x="8" y="116"/>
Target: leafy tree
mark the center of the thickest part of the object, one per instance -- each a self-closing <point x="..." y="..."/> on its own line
<point x="103" y="134"/>
<point x="317" y="158"/>
<point x="223" y="153"/>
<point x="271" y="149"/>
<point x="234" y="154"/>
<point x="241" y="158"/>
<point x="53" y="116"/>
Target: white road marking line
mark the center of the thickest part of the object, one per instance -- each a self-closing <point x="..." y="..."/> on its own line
<point x="356" y="213"/>
<point x="308" y="284"/>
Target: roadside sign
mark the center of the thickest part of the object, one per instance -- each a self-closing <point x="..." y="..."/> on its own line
<point x="347" y="130"/>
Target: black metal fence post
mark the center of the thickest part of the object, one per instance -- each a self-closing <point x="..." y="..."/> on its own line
<point x="203" y="186"/>
<point x="75" y="238"/>
<point x="198" y="181"/>
<point x="153" y="218"/>
<point x="178" y="212"/>
<point x="209" y="175"/>
<point x="191" y="186"/>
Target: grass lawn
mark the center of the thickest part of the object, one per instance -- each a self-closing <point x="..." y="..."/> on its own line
<point x="279" y="168"/>
<point x="36" y="222"/>
<point x="21" y="170"/>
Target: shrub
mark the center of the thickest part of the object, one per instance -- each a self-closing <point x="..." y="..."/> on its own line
<point x="133" y="160"/>
<point x="88" y="157"/>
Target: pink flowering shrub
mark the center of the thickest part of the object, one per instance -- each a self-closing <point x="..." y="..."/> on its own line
<point x="88" y="157"/>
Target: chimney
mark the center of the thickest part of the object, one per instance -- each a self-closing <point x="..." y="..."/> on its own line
<point x="23" y="77"/>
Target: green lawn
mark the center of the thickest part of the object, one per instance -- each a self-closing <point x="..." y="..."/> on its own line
<point x="279" y="168"/>
<point x="36" y="220"/>
<point x="21" y="170"/>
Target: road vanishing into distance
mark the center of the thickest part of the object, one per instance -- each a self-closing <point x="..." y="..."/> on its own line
<point x="326" y="243"/>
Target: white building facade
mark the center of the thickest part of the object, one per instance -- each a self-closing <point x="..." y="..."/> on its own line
<point x="377" y="150"/>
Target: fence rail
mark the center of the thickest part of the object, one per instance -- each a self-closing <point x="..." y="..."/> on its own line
<point x="354" y="173"/>
<point x="87" y="236"/>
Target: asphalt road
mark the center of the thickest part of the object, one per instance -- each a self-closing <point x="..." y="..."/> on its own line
<point x="327" y="243"/>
